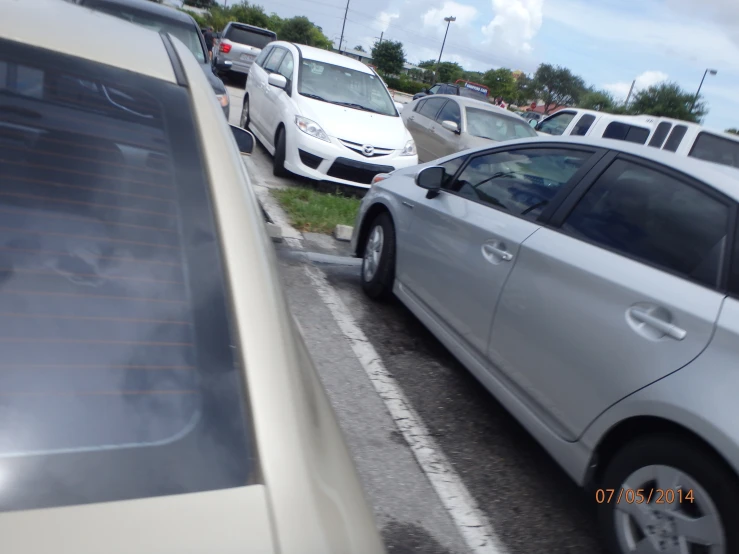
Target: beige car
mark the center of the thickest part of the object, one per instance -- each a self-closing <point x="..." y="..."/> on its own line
<point x="155" y="395"/>
<point x="443" y="124"/>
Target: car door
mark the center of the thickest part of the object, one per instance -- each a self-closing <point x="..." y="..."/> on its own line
<point x="618" y="293"/>
<point x="267" y="91"/>
<point x="556" y="124"/>
<point x="441" y="141"/>
<point x="277" y="101"/>
<point x="423" y="122"/>
<point x="462" y="243"/>
<point x="255" y="86"/>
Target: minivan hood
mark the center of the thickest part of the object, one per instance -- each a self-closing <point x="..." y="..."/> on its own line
<point x="381" y="131"/>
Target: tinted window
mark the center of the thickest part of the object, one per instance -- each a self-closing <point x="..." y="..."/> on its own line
<point x="629" y="133"/>
<point x="450" y="112"/>
<point x="520" y="182"/>
<point x="431" y="107"/>
<point x="188" y="33"/>
<point x="418" y="106"/>
<point x="660" y="134"/>
<point x="495" y="126"/>
<point x="677" y="134"/>
<point x="583" y="124"/>
<point x="716" y="149"/>
<point x="248" y="37"/>
<point x="287" y="66"/>
<point x="651" y="216"/>
<point x="118" y="373"/>
<point x="450" y="170"/>
<point x="263" y="56"/>
<point x="434" y="89"/>
<point x="556" y="124"/>
<point x="274" y="61"/>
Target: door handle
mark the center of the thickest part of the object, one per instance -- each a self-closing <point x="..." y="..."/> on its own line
<point x="493" y="250"/>
<point x="432" y="131"/>
<point x="411" y="118"/>
<point x="407" y="204"/>
<point x="657" y="323"/>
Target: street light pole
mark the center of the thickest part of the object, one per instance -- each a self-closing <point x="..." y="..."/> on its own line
<point x="448" y="22"/>
<point x="706" y="72"/>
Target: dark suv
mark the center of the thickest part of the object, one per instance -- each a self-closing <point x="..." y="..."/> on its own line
<point x="468" y="90"/>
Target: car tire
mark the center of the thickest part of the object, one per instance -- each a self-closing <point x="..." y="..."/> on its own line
<point x="678" y="461"/>
<point x="278" y="162"/>
<point x="378" y="262"/>
<point x="244" y="119"/>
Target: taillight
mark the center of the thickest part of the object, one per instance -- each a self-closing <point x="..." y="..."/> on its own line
<point x="380" y="177"/>
<point x="225" y="47"/>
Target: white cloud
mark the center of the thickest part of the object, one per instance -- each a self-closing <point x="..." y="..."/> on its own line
<point x="385" y="20"/>
<point x="434" y="18"/>
<point x="515" y="24"/>
<point x="645" y="80"/>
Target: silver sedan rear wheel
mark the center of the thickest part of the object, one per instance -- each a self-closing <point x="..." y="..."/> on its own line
<point x="680" y="516"/>
<point x="244" y="120"/>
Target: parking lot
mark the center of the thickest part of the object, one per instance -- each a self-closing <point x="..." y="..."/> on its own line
<point x="532" y="506"/>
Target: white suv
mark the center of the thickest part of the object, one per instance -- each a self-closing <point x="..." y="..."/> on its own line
<point x="324" y="116"/>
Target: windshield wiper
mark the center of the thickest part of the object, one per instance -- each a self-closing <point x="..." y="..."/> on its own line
<point x="315" y="97"/>
<point x="356" y="106"/>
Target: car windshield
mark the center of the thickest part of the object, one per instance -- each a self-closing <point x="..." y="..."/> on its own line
<point x="118" y="377"/>
<point x="188" y="34"/>
<point x="249" y="37"/>
<point x="347" y="87"/>
<point x="489" y="125"/>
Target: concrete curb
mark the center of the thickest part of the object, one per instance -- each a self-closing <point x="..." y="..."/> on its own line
<point x="278" y="224"/>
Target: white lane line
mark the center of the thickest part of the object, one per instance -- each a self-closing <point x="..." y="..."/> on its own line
<point x="469" y="520"/>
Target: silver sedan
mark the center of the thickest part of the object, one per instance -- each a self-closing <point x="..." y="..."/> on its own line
<point x="593" y="288"/>
<point x="443" y="124"/>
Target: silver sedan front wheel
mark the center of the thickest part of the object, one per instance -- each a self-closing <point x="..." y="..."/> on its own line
<point x="373" y="253"/>
<point x="244" y="120"/>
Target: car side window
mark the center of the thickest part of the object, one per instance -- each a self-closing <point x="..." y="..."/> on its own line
<point x="676" y="136"/>
<point x="734" y="275"/>
<point x="654" y="217"/>
<point x="263" y="56"/>
<point x="450" y="170"/>
<point x="450" y="112"/>
<point x="287" y="66"/>
<point x="520" y="182"/>
<point x="274" y="61"/>
<point x="716" y="149"/>
<point x="660" y="134"/>
<point x="629" y="133"/>
<point x="556" y="124"/>
<point x="431" y="107"/>
<point x="434" y="89"/>
<point x="582" y="125"/>
<point x="418" y="106"/>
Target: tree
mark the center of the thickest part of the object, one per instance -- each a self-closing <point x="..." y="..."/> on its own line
<point x="448" y="71"/>
<point x="389" y="57"/>
<point x="204" y="4"/>
<point x="501" y="83"/>
<point x="599" y="100"/>
<point x="668" y="100"/>
<point x="733" y="131"/>
<point x="359" y="48"/>
<point x="557" y="86"/>
<point x="300" y="29"/>
<point x="525" y="91"/>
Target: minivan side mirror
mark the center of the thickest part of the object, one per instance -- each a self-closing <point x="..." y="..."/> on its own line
<point x="431" y="179"/>
<point x="244" y="139"/>
<point x="277" y="80"/>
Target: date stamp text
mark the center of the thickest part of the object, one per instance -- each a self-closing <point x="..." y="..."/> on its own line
<point x="644" y="496"/>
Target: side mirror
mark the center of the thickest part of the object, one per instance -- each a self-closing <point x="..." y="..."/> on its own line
<point x="534" y="124"/>
<point x="399" y="106"/>
<point x="450" y="126"/>
<point x="244" y="139"/>
<point x="277" y="80"/>
<point x="431" y="179"/>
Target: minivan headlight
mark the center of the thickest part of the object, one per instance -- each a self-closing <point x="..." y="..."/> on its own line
<point x="409" y="149"/>
<point x="310" y="127"/>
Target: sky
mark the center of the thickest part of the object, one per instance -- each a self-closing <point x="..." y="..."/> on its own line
<point x="609" y="43"/>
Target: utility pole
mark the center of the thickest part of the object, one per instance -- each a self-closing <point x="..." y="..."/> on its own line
<point x="628" y="97"/>
<point x="341" y="40"/>
<point x="706" y="72"/>
<point x="448" y="21"/>
<point x="382" y="34"/>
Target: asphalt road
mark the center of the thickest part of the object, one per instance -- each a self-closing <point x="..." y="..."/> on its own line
<point x="530" y="502"/>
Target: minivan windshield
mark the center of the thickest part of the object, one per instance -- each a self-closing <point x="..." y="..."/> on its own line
<point x="189" y="34"/>
<point x="249" y="37"/>
<point x="343" y="86"/>
<point x="489" y="125"/>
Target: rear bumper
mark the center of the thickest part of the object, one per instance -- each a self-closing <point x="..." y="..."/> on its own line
<point x="237" y="65"/>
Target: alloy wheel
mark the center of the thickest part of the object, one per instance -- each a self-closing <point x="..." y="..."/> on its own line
<point x="373" y="253"/>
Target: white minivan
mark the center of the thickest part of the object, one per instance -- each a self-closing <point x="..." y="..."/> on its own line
<point x="324" y="116"/>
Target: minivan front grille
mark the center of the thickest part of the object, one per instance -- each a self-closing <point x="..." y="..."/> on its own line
<point x="367" y="150"/>
<point x="357" y="172"/>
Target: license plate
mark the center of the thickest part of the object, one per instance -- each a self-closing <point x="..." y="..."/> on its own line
<point x="247" y="57"/>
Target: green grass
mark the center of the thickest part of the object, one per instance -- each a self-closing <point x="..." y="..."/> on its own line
<point x="317" y="212"/>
